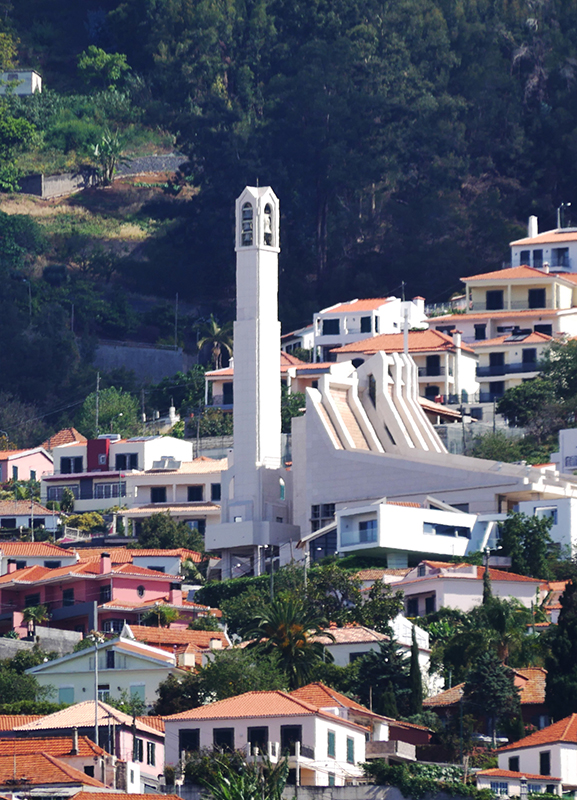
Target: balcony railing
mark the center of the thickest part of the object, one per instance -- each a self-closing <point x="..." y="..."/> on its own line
<point x="402" y="751"/>
<point x="490" y="397"/>
<point x="220" y="400"/>
<point x="433" y="372"/>
<point x="507" y="369"/>
<point x="516" y="305"/>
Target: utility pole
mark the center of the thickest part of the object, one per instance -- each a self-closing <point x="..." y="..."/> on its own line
<point x="96" y="672"/>
<point x="97" y="402"/>
<point x="176" y="322"/>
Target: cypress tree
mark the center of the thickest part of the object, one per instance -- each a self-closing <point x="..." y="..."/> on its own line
<point x="487" y="589"/>
<point x="389" y="703"/>
<point x="415" y="680"/>
<point x="561" y="665"/>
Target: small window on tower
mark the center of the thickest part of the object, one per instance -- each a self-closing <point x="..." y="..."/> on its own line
<point x="246" y="231"/>
<point x="267" y="225"/>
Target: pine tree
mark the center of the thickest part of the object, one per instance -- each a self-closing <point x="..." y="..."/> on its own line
<point x="487" y="589"/>
<point x="490" y="691"/>
<point x="416" y="683"/>
<point x="389" y="703"/>
<point x="561" y="665"/>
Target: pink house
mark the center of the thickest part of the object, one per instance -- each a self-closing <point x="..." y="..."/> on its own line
<point x="122" y="593"/>
<point x="24" y="465"/>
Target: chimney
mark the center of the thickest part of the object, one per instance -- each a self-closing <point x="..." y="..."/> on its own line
<point x="216" y="644"/>
<point x="175" y="594"/>
<point x="105" y="563"/>
<point x="546" y="266"/>
<point x="533" y="227"/>
<point x="74" y="751"/>
<point x="11" y="566"/>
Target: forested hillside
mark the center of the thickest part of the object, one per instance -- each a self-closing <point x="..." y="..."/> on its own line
<point x="408" y="140"/>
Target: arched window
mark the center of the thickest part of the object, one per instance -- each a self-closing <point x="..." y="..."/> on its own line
<point x="246" y="225"/>
<point x="282" y="489"/>
<point x="267" y="224"/>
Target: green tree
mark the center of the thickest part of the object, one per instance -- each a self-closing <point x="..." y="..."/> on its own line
<point x="490" y="691"/>
<point x="160" y="616"/>
<point x="288" y="628"/>
<point x="415" y="680"/>
<point x="561" y="664"/>
<point x="497" y="447"/>
<point x="209" y="623"/>
<point x="527" y="540"/>
<point x="109" y="154"/>
<point x="559" y="369"/>
<point x="334" y="593"/>
<point x="487" y="589"/>
<point x="67" y="501"/>
<point x="184" y="389"/>
<point x="161" y="531"/>
<point x="379" y="671"/>
<point x="117" y="413"/>
<point x="521" y="404"/>
<point x="379" y="607"/>
<point x="292" y="405"/>
<point x="35" y="615"/>
<point x="216" y="337"/>
<point x="252" y="781"/>
<point x="234" y="672"/>
<point x="16" y="135"/>
<point x="99" y="69"/>
<point x="176" y="694"/>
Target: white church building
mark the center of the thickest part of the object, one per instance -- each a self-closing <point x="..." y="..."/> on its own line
<point x="363" y="443"/>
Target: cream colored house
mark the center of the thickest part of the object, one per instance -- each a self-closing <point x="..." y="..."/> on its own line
<point x="507" y="361"/>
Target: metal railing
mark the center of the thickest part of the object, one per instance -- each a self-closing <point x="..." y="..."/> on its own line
<point x="221" y="400"/>
<point x="515" y="305"/>
<point x="434" y="372"/>
<point x="507" y="369"/>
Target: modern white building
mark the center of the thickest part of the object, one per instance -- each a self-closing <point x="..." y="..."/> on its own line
<point x="357" y="320"/>
<point x="323" y="747"/>
<point x="556" y="248"/>
<point x="506" y="783"/>
<point x="256" y="489"/>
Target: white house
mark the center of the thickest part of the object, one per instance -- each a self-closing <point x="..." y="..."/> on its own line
<point x="15" y="514"/>
<point x="20" y="81"/>
<point x="301" y="339"/>
<point x="506" y="783"/>
<point x="435" y="584"/>
<point x="324" y="749"/>
<point x="357" y="320"/>
<point x="556" y="248"/>
<point x="549" y="753"/>
<point x="31" y="554"/>
<point x="124" y="666"/>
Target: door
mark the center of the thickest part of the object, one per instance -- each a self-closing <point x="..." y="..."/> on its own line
<point x="433" y="365"/>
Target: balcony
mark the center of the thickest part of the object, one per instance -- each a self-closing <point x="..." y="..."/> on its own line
<point x="434" y="372"/>
<point x="222" y="401"/>
<point x="507" y="369"/>
<point x="516" y="305"/>
<point x="490" y="397"/>
<point x="396" y="751"/>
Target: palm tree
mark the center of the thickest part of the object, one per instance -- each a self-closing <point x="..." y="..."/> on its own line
<point x="219" y="337"/>
<point x="160" y="616"/>
<point x="289" y="629"/>
<point x="35" y="615"/>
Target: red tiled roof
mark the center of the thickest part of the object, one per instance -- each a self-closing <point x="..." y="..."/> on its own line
<point x="286" y="360"/>
<point x="40" y="769"/>
<point x="64" y="436"/>
<point x="447" y="698"/>
<point x="10" y="721"/>
<point x="171" y="636"/>
<point x="321" y="696"/>
<point x="22" y="508"/>
<point x="365" y="304"/>
<point x="81" y="715"/>
<point x="547" y="237"/>
<point x="32" y="548"/>
<point x="6" y="454"/>
<point x="507" y="773"/>
<point x="57" y="746"/>
<point x="512" y="273"/>
<point x="494" y="574"/>
<point x="531" y="685"/>
<point x="563" y="731"/>
<point x="531" y="338"/>
<point x="419" y="342"/>
<point x="351" y="634"/>
<point x="153" y="722"/>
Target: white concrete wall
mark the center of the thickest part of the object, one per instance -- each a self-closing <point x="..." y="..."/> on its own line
<point x="564" y="531"/>
<point x="563" y="760"/>
<point x="465" y="593"/>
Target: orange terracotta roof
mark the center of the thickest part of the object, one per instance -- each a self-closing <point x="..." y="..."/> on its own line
<point x="41" y="769"/>
<point x="494" y="574"/>
<point x="286" y="360"/>
<point x="118" y="555"/>
<point x="438" y="408"/>
<point x="512" y="273"/>
<point x="419" y="342"/>
<point x="375" y="574"/>
<point x="321" y="696"/>
<point x="365" y="304"/>
<point x="563" y="731"/>
<point x="64" y="436"/>
<point x="10" y="549"/>
<point x="119" y="795"/>
<point x="447" y="698"/>
<point x="352" y="634"/>
<point x="532" y="338"/>
<point x="81" y="715"/>
<point x="57" y="746"/>
<point x="530" y="681"/>
<point x="507" y="773"/>
<point x="22" y="508"/>
<point x="159" y="654"/>
<point x="200" y="466"/>
<point x="10" y="721"/>
<point x="257" y="704"/>
<point x="547" y="237"/>
<point x="153" y="722"/>
<point x="171" y="636"/>
<point x="7" y="454"/>
<point x="469" y="316"/>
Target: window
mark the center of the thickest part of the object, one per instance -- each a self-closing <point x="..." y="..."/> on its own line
<point x="112" y="625"/>
<point x="68" y="597"/>
<point x="281" y="489"/>
<point x="258" y="738"/>
<point x="215" y="492"/>
<point x="137" y="691"/>
<point x="107" y="490"/>
<point x="530" y="356"/>
<point x="32" y="474"/>
<point x="500" y="788"/>
<point x="223" y="739"/>
<point x="69" y="465"/>
<point x="547" y="513"/>
<point x="105" y="594"/>
<point x="545" y="762"/>
<point x="267" y="225"/>
<point x="366" y="325"/>
<point x="158" y="494"/>
<point x="480" y="332"/>
<point x="53" y="564"/>
<point x="437" y="529"/>
<point x="412" y="607"/>
<point x="140" y="591"/>
<point x="138" y="750"/>
<point x="430" y="604"/>
<point x="289" y="735"/>
<point x="110" y="659"/>
<point x="497" y="359"/>
<point x="103" y="691"/>
<point x="246" y="225"/>
<point x="497" y="389"/>
<point x="151" y="753"/>
<point x="525" y="257"/>
<point x="331" y="327"/>
<point x="331" y="744"/>
<point x="66" y="694"/>
<point x="89" y="771"/>
<point x="546" y="329"/>
<point x="534" y="788"/>
<point x="195" y="494"/>
<point x="31" y="600"/>
<point x="8" y="522"/>
<point x="514" y="763"/>
<point x="15" y="473"/>
<point x="367" y="531"/>
<point x="20" y="565"/>
<point x="189" y="740"/>
<point x="550" y="788"/>
<point x="55" y="492"/>
<point x="421" y="571"/>
<point x="350" y="750"/>
<point x="434" y="365"/>
<point x="537" y="298"/>
<point x="494" y="299"/>
<point x="560" y="257"/>
<point x="373" y="389"/>
<point x="126" y="461"/>
<point x="197" y="525"/>
<point x="331" y="778"/>
<point x="321" y="515"/>
<point x="538" y="259"/>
